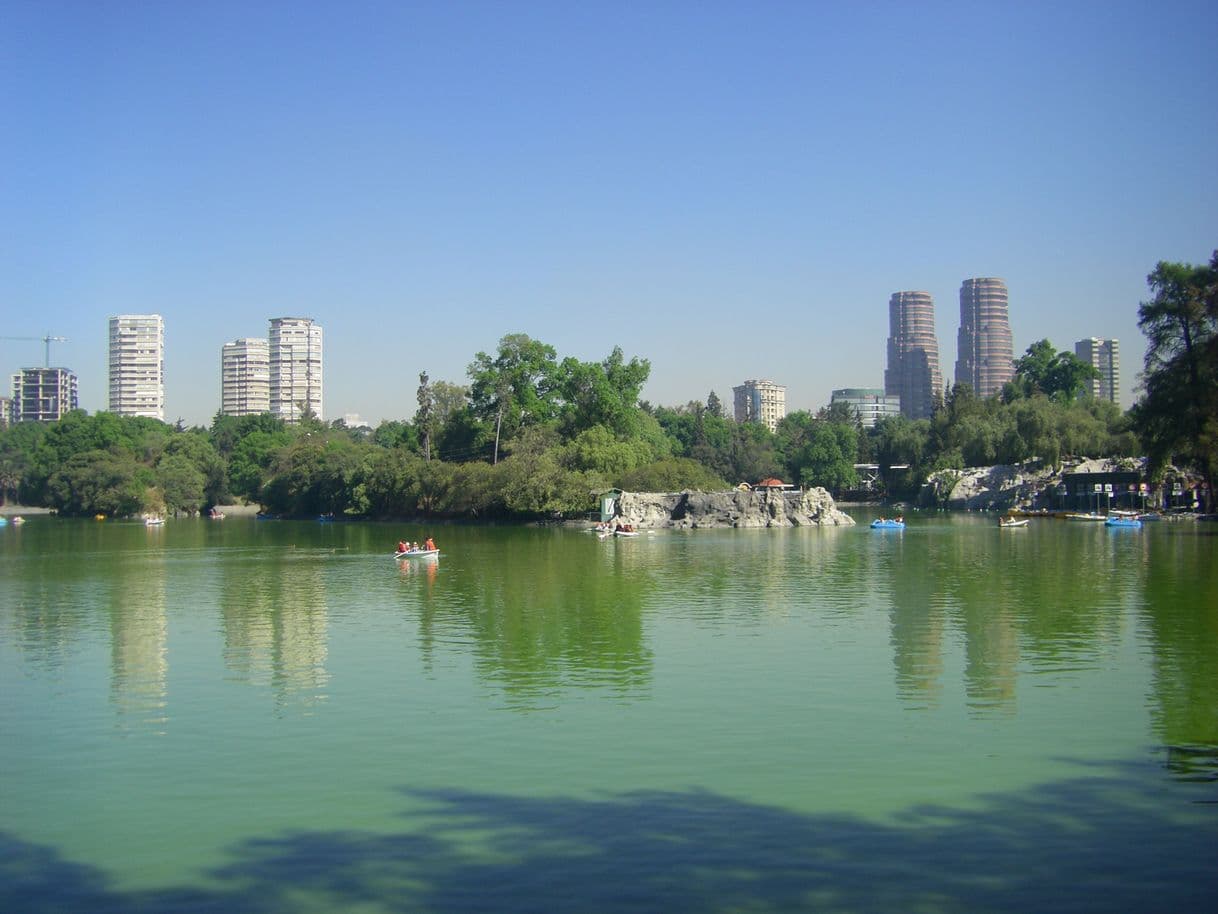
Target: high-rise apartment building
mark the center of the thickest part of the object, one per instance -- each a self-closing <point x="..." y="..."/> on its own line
<point x="245" y="377"/>
<point x="760" y="401"/>
<point x="137" y="365"/>
<point x="913" y="354"/>
<point x="42" y="394"/>
<point x="870" y="404"/>
<point x="984" y="352"/>
<point x="295" y="365"/>
<point x="1105" y="357"/>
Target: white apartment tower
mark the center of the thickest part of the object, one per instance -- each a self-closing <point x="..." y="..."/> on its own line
<point x="137" y="365"/>
<point x="760" y="401"/>
<point x="245" y="377"/>
<point x="295" y="368"/>
<point x="1105" y="357"/>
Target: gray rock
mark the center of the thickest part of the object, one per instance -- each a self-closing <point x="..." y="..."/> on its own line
<point x="737" y="508"/>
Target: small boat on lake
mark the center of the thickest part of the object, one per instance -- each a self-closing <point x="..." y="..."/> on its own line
<point x="885" y="523"/>
<point x="416" y="553"/>
<point x="1093" y="516"/>
<point x="1119" y="521"/>
<point x="1012" y="522"/>
<point x="154" y="521"/>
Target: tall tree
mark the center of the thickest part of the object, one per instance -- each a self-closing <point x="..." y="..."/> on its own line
<point x="516" y="387"/>
<point x="425" y="414"/>
<point x="1178" y="417"/>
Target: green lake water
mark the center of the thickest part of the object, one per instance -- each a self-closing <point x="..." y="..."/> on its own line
<point x="260" y="716"/>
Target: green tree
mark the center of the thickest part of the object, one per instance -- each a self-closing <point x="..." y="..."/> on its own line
<point x="1061" y="376"/>
<point x="424" y="417"/>
<point x="181" y="483"/>
<point x="97" y="482"/>
<point x="516" y="387"/>
<point x="1178" y="416"/>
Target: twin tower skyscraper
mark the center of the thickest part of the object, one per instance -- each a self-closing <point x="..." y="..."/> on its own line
<point x="984" y="350"/>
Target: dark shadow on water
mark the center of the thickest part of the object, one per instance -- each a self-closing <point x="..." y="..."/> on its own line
<point x="1110" y="840"/>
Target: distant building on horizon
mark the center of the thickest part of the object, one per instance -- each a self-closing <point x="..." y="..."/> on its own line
<point x="245" y="377"/>
<point x="1105" y="357"/>
<point x="913" y="374"/>
<point x="760" y="401"/>
<point x="295" y="368"/>
<point x="870" y="404"/>
<point x="42" y="395"/>
<point x="984" y="351"/>
<point x="137" y="365"/>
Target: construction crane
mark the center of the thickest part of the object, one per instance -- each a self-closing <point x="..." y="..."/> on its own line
<point x="47" y="340"/>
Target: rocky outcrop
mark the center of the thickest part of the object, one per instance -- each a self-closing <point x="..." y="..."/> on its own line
<point x="1000" y="488"/>
<point x="737" y="508"/>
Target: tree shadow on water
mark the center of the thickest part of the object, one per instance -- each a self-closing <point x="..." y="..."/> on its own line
<point x="1111" y="840"/>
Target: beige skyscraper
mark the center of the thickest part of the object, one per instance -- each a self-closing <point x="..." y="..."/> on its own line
<point x="295" y="368"/>
<point x="137" y="365"/>
<point x="984" y="352"/>
<point x="1105" y="357"/>
<point x="760" y="401"/>
<point x="913" y="353"/>
<point x="245" y="377"/>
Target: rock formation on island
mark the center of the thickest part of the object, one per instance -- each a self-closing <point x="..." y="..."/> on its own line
<point x="766" y="507"/>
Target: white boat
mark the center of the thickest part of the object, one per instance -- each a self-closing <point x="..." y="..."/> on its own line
<point x="416" y="553"/>
<point x="1012" y="522"/>
<point x="625" y="533"/>
<point x="1097" y="518"/>
<point x="154" y="521"/>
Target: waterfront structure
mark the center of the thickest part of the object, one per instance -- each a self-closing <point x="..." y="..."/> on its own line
<point x="913" y="374"/>
<point x="760" y="401"/>
<point x="43" y="394"/>
<point x="137" y="365"/>
<point x="870" y="404"/>
<point x="295" y="368"/>
<point x="984" y="353"/>
<point x="245" y="377"/>
<point x="1105" y="357"/>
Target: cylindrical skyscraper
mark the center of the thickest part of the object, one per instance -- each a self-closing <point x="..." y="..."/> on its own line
<point x="984" y="352"/>
<point x="913" y="353"/>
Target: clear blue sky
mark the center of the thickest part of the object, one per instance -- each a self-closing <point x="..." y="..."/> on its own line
<point x="730" y="190"/>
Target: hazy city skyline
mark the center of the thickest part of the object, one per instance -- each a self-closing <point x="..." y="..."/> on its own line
<point x="425" y="180"/>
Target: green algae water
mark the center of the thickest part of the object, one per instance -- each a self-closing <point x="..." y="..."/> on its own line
<point x="260" y="716"/>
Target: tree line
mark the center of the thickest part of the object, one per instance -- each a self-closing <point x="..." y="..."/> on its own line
<point x="530" y="435"/>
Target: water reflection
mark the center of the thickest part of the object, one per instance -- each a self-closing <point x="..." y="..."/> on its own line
<point x="541" y="623"/>
<point x="139" y="640"/>
<point x="1180" y="618"/>
<point x="275" y="623"/>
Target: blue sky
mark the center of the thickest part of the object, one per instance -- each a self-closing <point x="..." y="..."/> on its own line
<point x="730" y="190"/>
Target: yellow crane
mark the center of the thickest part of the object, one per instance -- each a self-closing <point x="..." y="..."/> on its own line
<point x="47" y="340"/>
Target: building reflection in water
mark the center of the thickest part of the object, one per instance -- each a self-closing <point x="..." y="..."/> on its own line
<point x="139" y="640"/>
<point x="275" y="625"/>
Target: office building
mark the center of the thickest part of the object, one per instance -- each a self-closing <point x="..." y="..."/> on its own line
<point x="870" y="404"/>
<point x="42" y="394"/>
<point x="913" y="374"/>
<point x="245" y="377"/>
<point x="137" y="365"/>
<point x="295" y="367"/>
<point x="760" y="401"/>
<point x="984" y="354"/>
<point x="1105" y="357"/>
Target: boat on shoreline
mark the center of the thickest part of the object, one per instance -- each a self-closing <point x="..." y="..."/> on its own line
<point x="1092" y="516"/>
